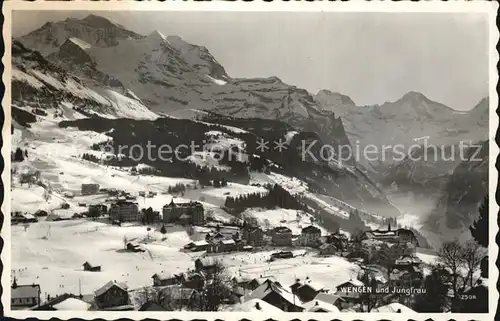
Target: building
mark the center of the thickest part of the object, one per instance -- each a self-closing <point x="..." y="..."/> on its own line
<point x="206" y="264"/>
<point x="310" y="236"/>
<point x="320" y="306"/>
<point x="351" y="291"/>
<point x="113" y="294"/>
<point x="90" y="189"/>
<point x="97" y="210"/>
<point x="253" y="236"/>
<point x="164" y="278"/>
<point x="197" y="246"/>
<point x="91" y="267"/>
<point x="282" y="236"/>
<point x="65" y="302"/>
<point x="331" y="299"/>
<point x="309" y="290"/>
<point x="274" y="294"/>
<point x="190" y="213"/>
<point x="23" y="218"/>
<point x="123" y="211"/>
<point x="327" y="249"/>
<point x="338" y="239"/>
<point x="395" y="236"/>
<point x="24" y="296"/>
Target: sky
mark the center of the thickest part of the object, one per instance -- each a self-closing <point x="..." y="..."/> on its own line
<point x="371" y="57"/>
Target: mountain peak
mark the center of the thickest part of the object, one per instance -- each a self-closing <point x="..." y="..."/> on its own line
<point x="99" y="21"/>
<point x="157" y="35"/>
<point x="414" y="95"/>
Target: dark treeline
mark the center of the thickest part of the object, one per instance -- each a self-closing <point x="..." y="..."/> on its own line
<point x="277" y="197"/>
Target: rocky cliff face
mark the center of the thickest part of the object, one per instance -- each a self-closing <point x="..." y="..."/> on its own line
<point x="464" y="189"/>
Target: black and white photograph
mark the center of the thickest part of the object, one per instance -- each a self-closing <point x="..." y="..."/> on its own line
<point x="221" y="161"/>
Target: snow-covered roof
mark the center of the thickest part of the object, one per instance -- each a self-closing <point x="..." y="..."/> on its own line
<point x="256" y="305"/>
<point x="354" y="282"/>
<point x="227" y="242"/>
<point x="269" y="286"/>
<point x="393" y="307"/>
<point x="25" y="291"/>
<point x="164" y="275"/>
<point x="200" y="243"/>
<point x="72" y="304"/>
<point x="315" y="305"/>
<point x="328" y="298"/>
<point x="108" y="286"/>
<point x="313" y="285"/>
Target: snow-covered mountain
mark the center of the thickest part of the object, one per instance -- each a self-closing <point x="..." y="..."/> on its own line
<point x="172" y="76"/>
<point x="94" y="66"/>
<point x="410" y="120"/>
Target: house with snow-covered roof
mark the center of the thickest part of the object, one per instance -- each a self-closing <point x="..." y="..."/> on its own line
<point x="310" y="236"/>
<point x="165" y="278"/>
<point x="111" y="295"/>
<point x="309" y="290"/>
<point x="320" y="306"/>
<point x="24" y="296"/>
<point x="274" y="294"/>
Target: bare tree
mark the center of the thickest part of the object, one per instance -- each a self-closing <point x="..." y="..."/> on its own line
<point x="470" y="258"/>
<point x="217" y="289"/>
<point x="450" y="256"/>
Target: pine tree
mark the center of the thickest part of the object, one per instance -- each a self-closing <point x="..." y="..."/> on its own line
<point x="19" y="155"/>
<point x="479" y="228"/>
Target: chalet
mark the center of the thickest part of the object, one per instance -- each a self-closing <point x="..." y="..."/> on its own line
<point x="197" y="246"/>
<point x="90" y="189"/>
<point x="253" y="235"/>
<point x="274" y="294"/>
<point x="328" y="249"/>
<point x="282" y="236"/>
<point x="178" y="297"/>
<point x="41" y="213"/>
<point x="281" y="255"/>
<point x="310" y="236"/>
<point x="351" y="291"/>
<point x="164" y="278"/>
<point x="23" y="218"/>
<point x="206" y="264"/>
<point x="308" y="291"/>
<point x="24" y="296"/>
<point x="320" y="306"/>
<point x="113" y="294"/>
<point x="91" y="267"/>
<point x="191" y="213"/>
<point x="65" y="302"/>
<point x="152" y="306"/>
<point x="194" y="280"/>
<point x="124" y="211"/>
<point x="256" y="305"/>
<point x="331" y="299"/>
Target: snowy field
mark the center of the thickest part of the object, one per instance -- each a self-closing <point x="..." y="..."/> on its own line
<point x="293" y="219"/>
<point x="52" y="254"/>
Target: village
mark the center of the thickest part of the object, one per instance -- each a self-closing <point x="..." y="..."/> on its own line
<point x="232" y="265"/>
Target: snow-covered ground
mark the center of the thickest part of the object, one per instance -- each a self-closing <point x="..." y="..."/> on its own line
<point x="52" y="254"/>
<point x="293" y="219"/>
<point x="327" y="271"/>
